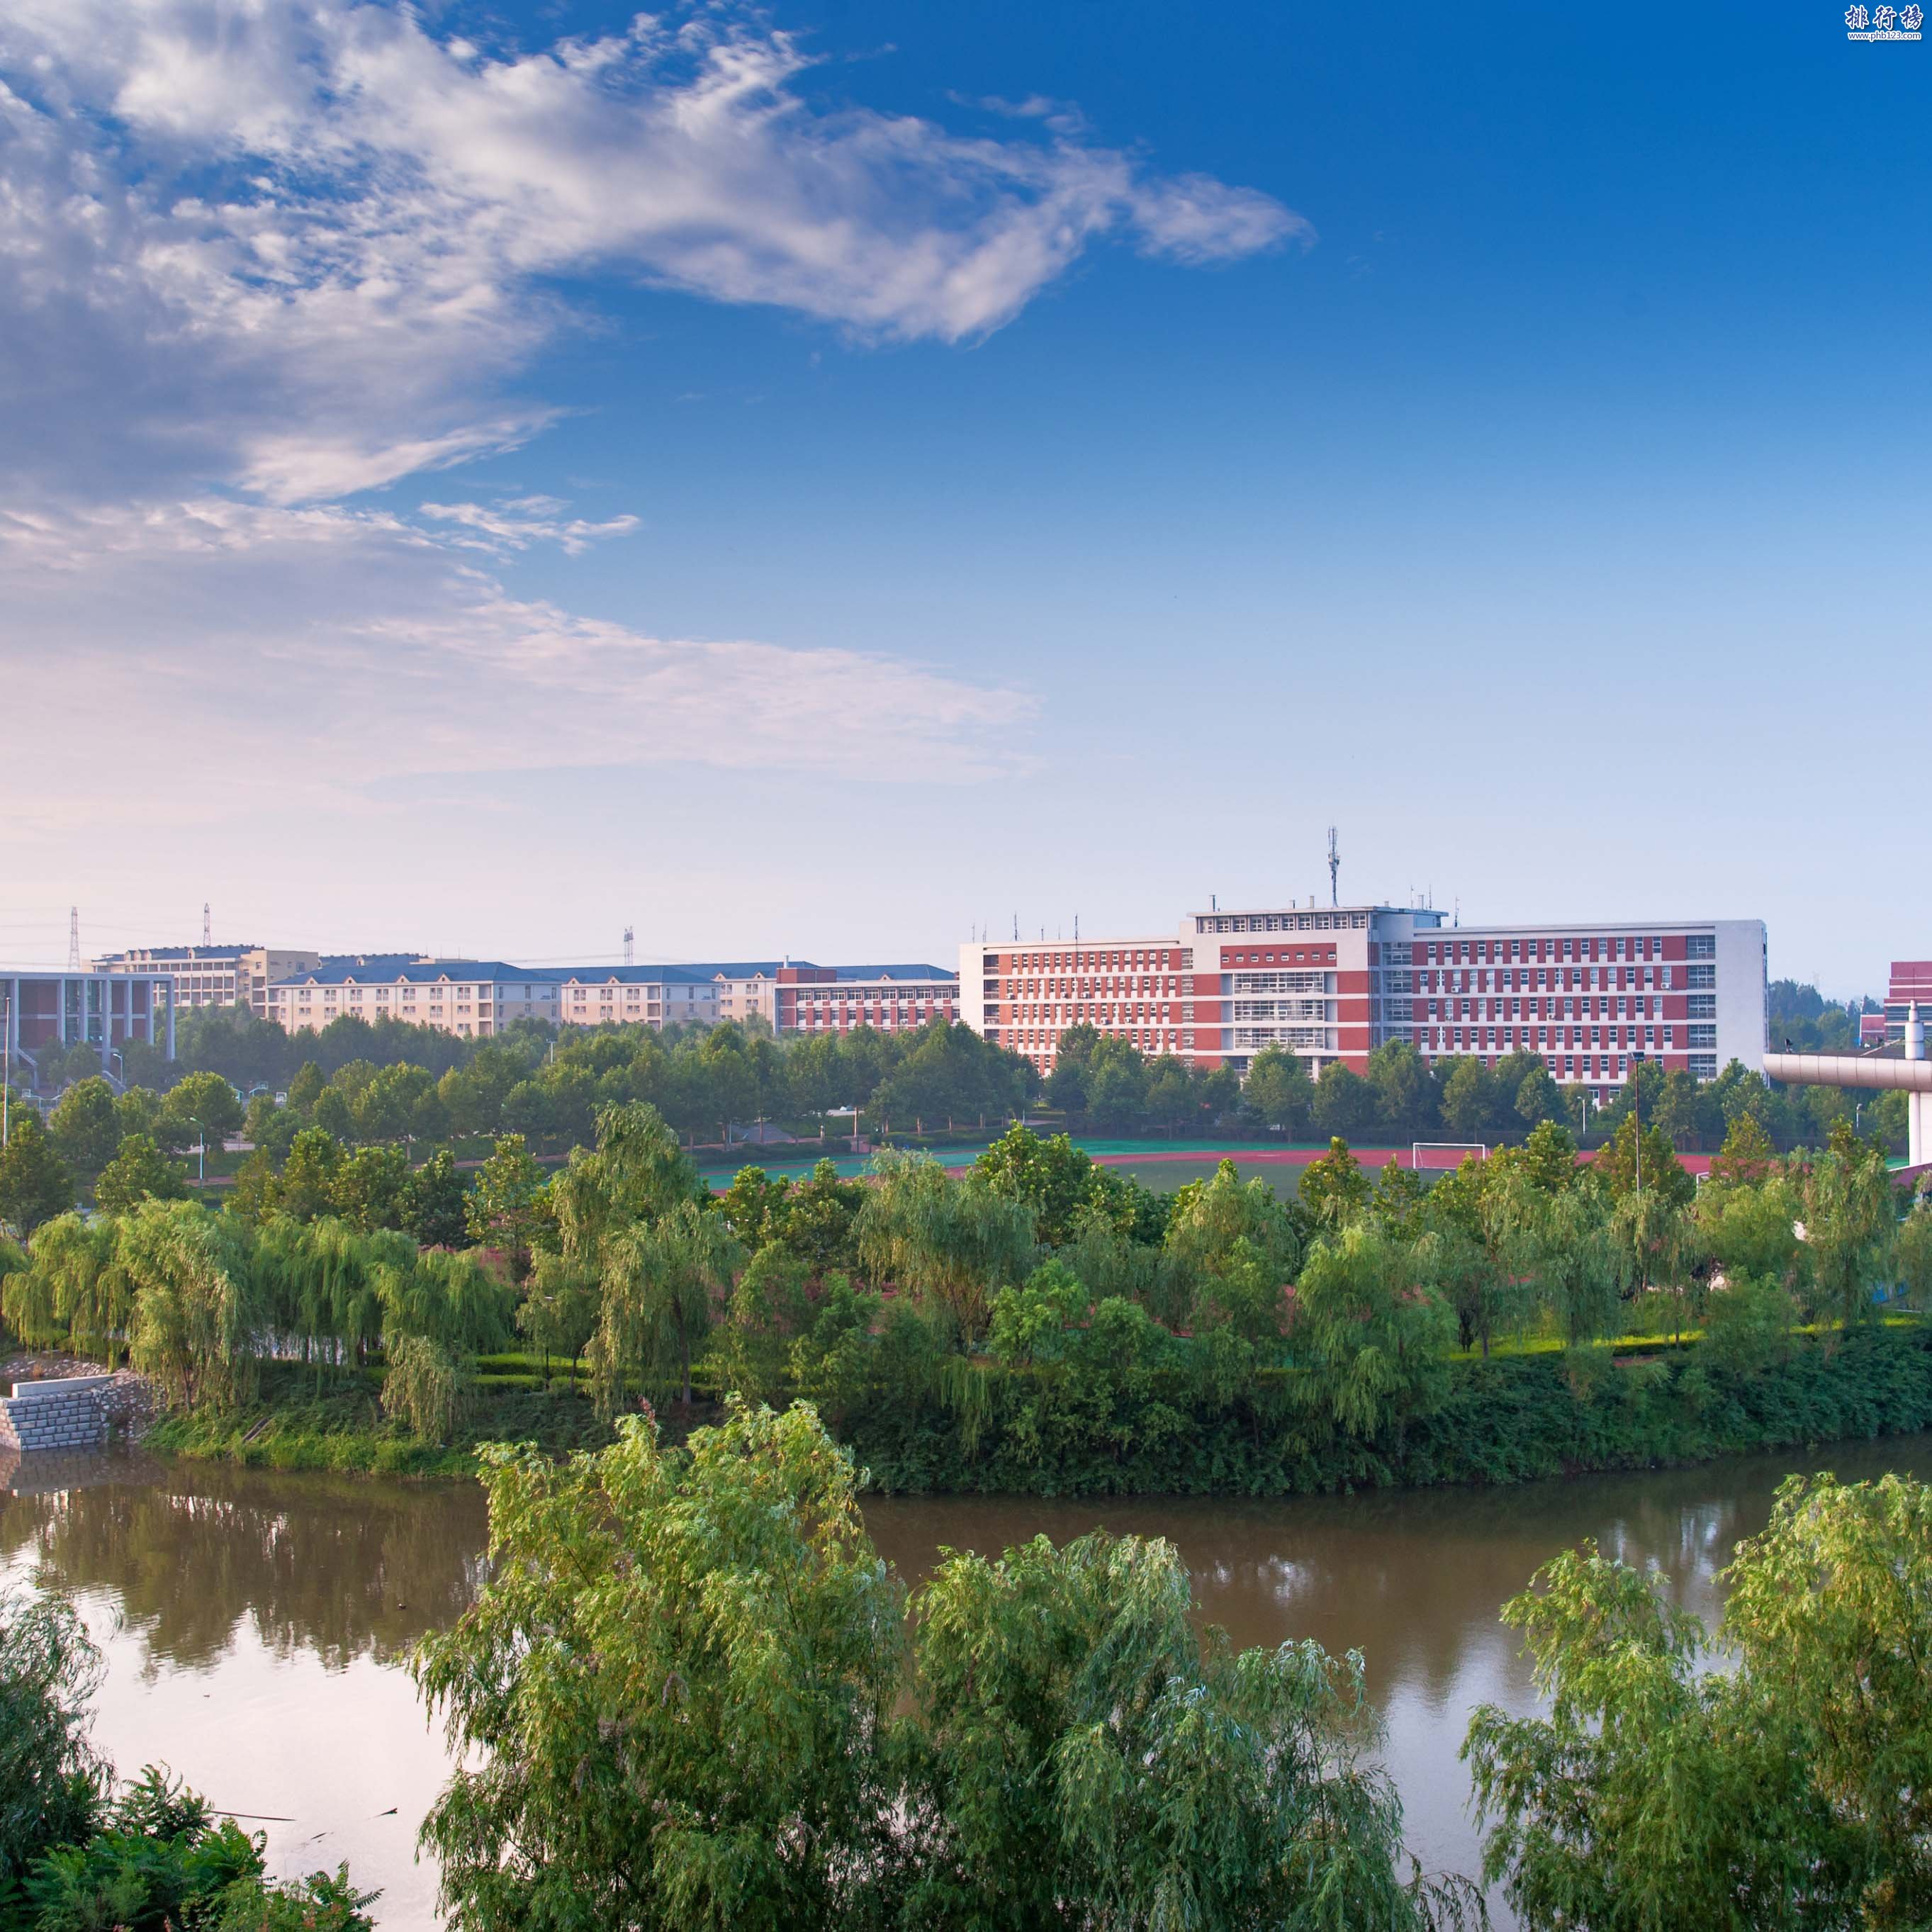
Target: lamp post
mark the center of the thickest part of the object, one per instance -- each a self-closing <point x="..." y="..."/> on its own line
<point x="1636" y="1111"/>
<point x="201" y="1148"/>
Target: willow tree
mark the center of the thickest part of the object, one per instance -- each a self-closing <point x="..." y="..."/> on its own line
<point x="669" y="1705"/>
<point x="636" y="1172"/>
<point x="954" y="1243"/>
<point x="1371" y="1335"/>
<point x="663" y="1282"/>
<point x="1850" y="1222"/>
<point x="196" y="1319"/>
<point x="448" y="1299"/>
<point x="84" y="1292"/>
<point x="1090" y="1757"/>
<point x="1788" y="1787"/>
<point x="1577" y="1268"/>
<point x="320" y="1284"/>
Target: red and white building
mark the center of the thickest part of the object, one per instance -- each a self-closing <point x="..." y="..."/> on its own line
<point x="1333" y="983"/>
<point x="1911" y="985"/>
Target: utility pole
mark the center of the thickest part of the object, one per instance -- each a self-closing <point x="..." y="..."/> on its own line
<point x="1334" y="869"/>
<point x="6" y="1060"/>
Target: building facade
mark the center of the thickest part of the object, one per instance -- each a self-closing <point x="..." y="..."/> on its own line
<point x="42" y="1007"/>
<point x="789" y="996"/>
<point x="473" y="998"/>
<point x="808" y="999"/>
<point x="1910" y="984"/>
<point x="215" y="975"/>
<point x="1331" y="984"/>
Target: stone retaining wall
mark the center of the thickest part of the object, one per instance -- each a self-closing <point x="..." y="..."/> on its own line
<point x="71" y="1414"/>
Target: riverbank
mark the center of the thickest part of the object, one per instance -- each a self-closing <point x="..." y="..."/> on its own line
<point x="1508" y="1419"/>
<point x="295" y="1423"/>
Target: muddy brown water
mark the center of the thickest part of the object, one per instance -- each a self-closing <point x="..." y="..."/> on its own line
<point x="254" y="1621"/>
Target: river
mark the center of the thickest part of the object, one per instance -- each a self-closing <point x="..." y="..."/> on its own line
<point x="253" y="1621"/>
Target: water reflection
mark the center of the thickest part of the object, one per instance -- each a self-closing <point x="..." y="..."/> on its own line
<point x="253" y="1619"/>
<point x="338" y="1566"/>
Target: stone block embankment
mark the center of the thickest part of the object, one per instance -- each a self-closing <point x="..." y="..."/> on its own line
<point x="71" y="1414"/>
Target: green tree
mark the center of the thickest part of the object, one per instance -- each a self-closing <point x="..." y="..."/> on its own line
<point x="85" y="1126"/>
<point x="52" y="1784"/>
<point x="1787" y="1791"/>
<point x="1334" y="1189"/>
<point x="954" y="1243"/>
<point x="194" y="1321"/>
<point x="506" y="1207"/>
<point x="1539" y="1100"/>
<point x="139" y="1172"/>
<point x="83" y="1292"/>
<point x="821" y="1221"/>
<point x="1618" y="1167"/>
<point x="1848" y="1223"/>
<point x="669" y="1705"/>
<point x="754" y="1206"/>
<point x="370" y="1188"/>
<point x="34" y="1183"/>
<point x="1212" y="1220"/>
<point x="559" y="1311"/>
<point x="663" y="1282"/>
<point x="1091" y="1758"/>
<point x="1057" y="1180"/>
<point x="306" y="1088"/>
<point x="1278" y="1093"/>
<point x="1404" y="1090"/>
<point x="1469" y="1100"/>
<point x="333" y="1114"/>
<point x="1373" y="1334"/>
<point x="1345" y="1105"/>
<point x="434" y="1204"/>
<point x="200" y="1103"/>
<point x="306" y="1187"/>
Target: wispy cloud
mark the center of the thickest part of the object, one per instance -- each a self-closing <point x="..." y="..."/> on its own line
<point x="517" y="523"/>
<point x="258" y="258"/>
<point x="307" y="654"/>
<point x="301" y="248"/>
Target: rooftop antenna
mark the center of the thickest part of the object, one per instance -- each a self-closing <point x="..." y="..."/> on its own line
<point x="1016" y="926"/>
<point x="630" y="946"/>
<point x="1334" y="867"/>
<point x="74" y="938"/>
<point x="207" y="928"/>
<point x="1459" y="910"/>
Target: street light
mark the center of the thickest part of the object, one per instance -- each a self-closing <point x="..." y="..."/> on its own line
<point x="201" y="1148"/>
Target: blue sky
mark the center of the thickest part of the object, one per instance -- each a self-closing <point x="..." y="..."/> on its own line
<point x="825" y="478"/>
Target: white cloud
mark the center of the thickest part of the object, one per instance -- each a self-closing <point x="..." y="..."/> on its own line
<point x="259" y="256"/>
<point x="291" y="658"/>
<point x="517" y="523"/>
<point x="302" y="246"/>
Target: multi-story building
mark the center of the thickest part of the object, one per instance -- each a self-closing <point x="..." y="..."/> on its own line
<point x="42" y="1006"/>
<point x="1331" y="984"/>
<point x="215" y="975"/>
<point x="652" y="996"/>
<point x="473" y="997"/>
<point x="811" y="999"/>
<point x="1911" y="985"/>
<point x="789" y="996"/>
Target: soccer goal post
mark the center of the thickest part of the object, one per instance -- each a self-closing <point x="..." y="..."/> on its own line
<point x="1448" y="1153"/>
